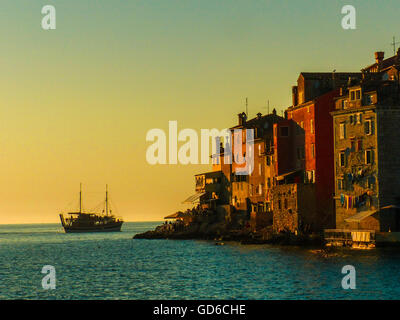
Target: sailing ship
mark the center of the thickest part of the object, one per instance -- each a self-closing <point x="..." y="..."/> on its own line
<point x="91" y="221"/>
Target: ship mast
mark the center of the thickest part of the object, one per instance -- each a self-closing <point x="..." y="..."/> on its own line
<point x="106" y="200"/>
<point x="80" y="198"/>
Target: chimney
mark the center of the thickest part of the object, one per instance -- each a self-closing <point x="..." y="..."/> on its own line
<point x="379" y="56"/>
<point x="259" y="115"/>
<point x="295" y="100"/>
<point x="274" y="112"/>
<point x="242" y="119"/>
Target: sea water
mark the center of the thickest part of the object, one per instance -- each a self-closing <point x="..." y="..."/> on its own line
<point x="114" y="266"/>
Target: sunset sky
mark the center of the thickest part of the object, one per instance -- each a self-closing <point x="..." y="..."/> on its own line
<point x="76" y="102"/>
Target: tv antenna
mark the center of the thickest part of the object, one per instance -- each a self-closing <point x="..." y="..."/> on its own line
<point x="393" y="44"/>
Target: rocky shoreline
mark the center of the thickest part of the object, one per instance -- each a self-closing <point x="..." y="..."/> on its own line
<point x="220" y="232"/>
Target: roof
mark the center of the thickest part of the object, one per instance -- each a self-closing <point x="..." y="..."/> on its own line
<point x="386" y="63"/>
<point x="209" y="173"/>
<point x="259" y="121"/>
<point x="177" y="215"/>
<point x="360" y="216"/>
<point x="321" y="75"/>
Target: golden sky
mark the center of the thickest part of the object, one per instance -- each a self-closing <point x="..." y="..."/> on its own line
<point x="76" y="102"/>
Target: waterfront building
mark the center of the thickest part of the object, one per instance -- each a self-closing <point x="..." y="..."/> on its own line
<point x="251" y="194"/>
<point x="212" y="190"/>
<point x="367" y="150"/>
<point x="303" y="145"/>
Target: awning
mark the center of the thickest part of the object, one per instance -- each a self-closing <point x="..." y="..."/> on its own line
<point x="360" y="216"/>
<point x="283" y="176"/>
<point x="194" y="197"/>
<point x="392" y="206"/>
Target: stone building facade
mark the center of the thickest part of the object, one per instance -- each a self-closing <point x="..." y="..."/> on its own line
<point x="294" y="208"/>
<point x="367" y="156"/>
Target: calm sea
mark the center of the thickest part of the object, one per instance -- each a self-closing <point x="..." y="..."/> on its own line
<point x="113" y="266"/>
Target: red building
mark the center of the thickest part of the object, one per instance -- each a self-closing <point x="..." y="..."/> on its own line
<point x="313" y="150"/>
<point x="303" y="142"/>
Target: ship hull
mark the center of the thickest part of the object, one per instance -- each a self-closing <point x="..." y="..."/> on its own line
<point x="115" y="227"/>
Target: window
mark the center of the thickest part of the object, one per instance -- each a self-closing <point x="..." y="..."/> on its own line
<point x="342" y="131"/>
<point x="286" y="204"/>
<point x="209" y="181"/>
<point x="369" y="127"/>
<point x="340" y="184"/>
<point x="284" y="131"/>
<point x="352" y="95"/>
<point x="353" y="145"/>
<point x="371" y="182"/>
<point x="268" y="160"/>
<point x="259" y="169"/>
<point x="359" y="115"/>
<point x="352" y="120"/>
<point x="313" y="150"/>
<point x="358" y="94"/>
<point x="342" y="159"/>
<point x="312" y="126"/>
<point x="344" y="104"/>
<point x="260" y="189"/>
<point x="259" y="149"/>
<point x="310" y="176"/>
<point x="300" y="153"/>
<point x="369" y="156"/>
<point x="269" y="183"/>
<point x="359" y="145"/>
